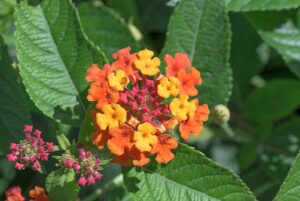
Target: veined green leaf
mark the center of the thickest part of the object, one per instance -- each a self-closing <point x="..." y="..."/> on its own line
<point x="279" y="31"/>
<point x="201" y="29"/>
<point x="290" y="189"/>
<point x="251" y="5"/>
<point x="61" y="184"/>
<point x="190" y="176"/>
<point x="14" y="112"/>
<point x="54" y="54"/>
<point x="106" y="28"/>
<point x="279" y="98"/>
<point x="285" y="40"/>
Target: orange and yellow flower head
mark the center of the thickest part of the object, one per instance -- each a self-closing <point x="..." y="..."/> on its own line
<point x="137" y="106"/>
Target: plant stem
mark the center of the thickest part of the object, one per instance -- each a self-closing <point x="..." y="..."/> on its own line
<point x="117" y="181"/>
<point x="226" y="128"/>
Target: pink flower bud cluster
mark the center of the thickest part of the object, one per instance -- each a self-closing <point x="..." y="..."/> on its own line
<point x="144" y="102"/>
<point x="30" y="151"/>
<point x="86" y="164"/>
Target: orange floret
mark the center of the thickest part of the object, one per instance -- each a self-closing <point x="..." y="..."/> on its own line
<point x="95" y="74"/>
<point x="163" y="148"/>
<point x="99" y="138"/>
<point x="132" y="157"/>
<point x="188" y="80"/>
<point x="124" y="61"/>
<point x="122" y="138"/>
<point x="174" y="65"/>
<point x="99" y="89"/>
<point x="194" y="124"/>
<point x="102" y="93"/>
<point x="14" y="194"/>
<point x="38" y="194"/>
<point x="139" y="158"/>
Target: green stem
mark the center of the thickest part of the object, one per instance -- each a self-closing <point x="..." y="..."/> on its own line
<point x="117" y="181"/>
<point x="226" y="128"/>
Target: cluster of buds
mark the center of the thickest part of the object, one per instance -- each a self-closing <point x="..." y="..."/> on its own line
<point x="30" y="151"/>
<point x="137" y="106"/>
<point x="85" y="164"/>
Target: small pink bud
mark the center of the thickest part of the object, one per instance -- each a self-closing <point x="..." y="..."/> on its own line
<point x="41" y="141"/>
<point x="45" y="157"/>
<point x="28" y="128"/>
<point x="68" y="163"/>
<point x="97" y="175"/>
<point x="19" y="166"/>
<point x="13" y="147"/>
<point x="82" y="152"/>
<point x="88" y="154"/>
<point x="41" y="149"/>
<point x="11" y="157"/>
<point x="98" y="161"/>
<point x="81" y="181"/>
<point x="37" y="133"/>
<point x="76" y="167"/>
<point x="91" y="180"/>
<point x="49" y="146"/>
<point x="36" y="165"/>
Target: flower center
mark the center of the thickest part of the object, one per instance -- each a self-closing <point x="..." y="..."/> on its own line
<point x="142" y="102"/>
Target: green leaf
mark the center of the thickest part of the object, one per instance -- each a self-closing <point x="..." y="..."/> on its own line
<point x="243" y="33"/>
<point x="201" y="29"/>
<point x="54" y="54"/>
<point x="85" y="131"/>
<point x="7" y="174"/>
<point x="190" y="176"/>
<point x="63" y="142"/>
<point x="128" y="9"/>
<point x="281" y="147"/>
<point x="61" y="184"/>
<point x="290" y="188"/>
<point x="278" y="99"/>
<point x="279" y="31"/>
<point x="106" y="28"/>
<point x="251" y="5"/>
<point x="14" y="112"/>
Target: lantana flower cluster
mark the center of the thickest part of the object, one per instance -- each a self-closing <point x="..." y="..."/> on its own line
<point x="137" y="106"/>
<point x="85" y="164"/>
<point x="30" y="151"/>
<point x="14" y="193"/>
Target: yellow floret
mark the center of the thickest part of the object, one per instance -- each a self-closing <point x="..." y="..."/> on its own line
<point x="145" y="137"/>
<point x="168" y="86"/>
<point x="118" y="80"/>
<point x="181" y="108"/>
<point x="112" y="116"/>
<point x="146" y="64"/>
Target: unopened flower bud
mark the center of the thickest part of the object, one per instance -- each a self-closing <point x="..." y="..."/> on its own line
<point x="91" y="180"/>
<point x="11" y="157"/>
<point x="69" y="163"/>
<point x="221" y="114"/>
<point x="19" y="166"/>
<point x="81" y="181"/>
<point x="36" y="165"/>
